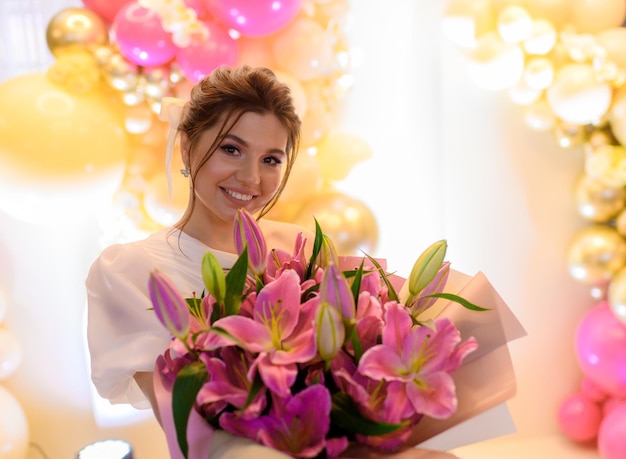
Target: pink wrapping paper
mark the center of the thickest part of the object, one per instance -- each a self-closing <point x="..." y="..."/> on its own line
<point x="485" y="380"/>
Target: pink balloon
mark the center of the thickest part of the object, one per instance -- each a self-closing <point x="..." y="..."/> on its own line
<point x="611" y="435"/>
<point x="199" y="59"/>
<point x="579" y="418"/>
<point x="199" y="7"/>
<point x="601" y="349"/>
<point x="254" y="18"/>
<point x="140" y="36"/>
<point x="106" y="9"/>
<point x="591" y="390"/>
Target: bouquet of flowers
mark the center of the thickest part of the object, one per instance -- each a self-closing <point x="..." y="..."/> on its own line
<point x="311" y="356"/>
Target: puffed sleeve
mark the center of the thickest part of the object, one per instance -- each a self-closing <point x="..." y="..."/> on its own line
<point x="123" y="334"/>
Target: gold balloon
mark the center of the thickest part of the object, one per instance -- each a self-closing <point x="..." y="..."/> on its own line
<point x="76" y="71"/>
<point x="61" y="153"/>
<point x="158" y="204"/>
<point x="616" y="295"/>
<point x="617" y="115"/>
<point x="347" y="221"/>
<point x="614" y="43"/>
<point x="76" y="29"/>
<point x="120" y="73"/>
<point x="338" y="152"/>
<point x="591" y="16"/>
<point x="620" y="223"/>
<point x="304" y="181"/>
<point x="597" y="201"/>
<point x="595" y="254"/>
<point x="555" y="11"/>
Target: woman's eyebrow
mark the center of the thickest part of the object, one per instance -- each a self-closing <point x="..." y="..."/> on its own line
<point x="245" y="144"/>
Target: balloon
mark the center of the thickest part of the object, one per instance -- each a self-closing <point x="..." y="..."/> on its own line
<point x="524" y="95"/>
<point x="539" y="73"/>
<point x="611" y="444"/>
<point x="496" y="65"/>
<point x="339" y="151"/>
<point x="539" y="116"/>
<point x="77" y="72"/>
<point x="107" y="9"/>
<point x="256" y="52"/>
<point x="595" y="254"/>
<point x="542" y="38"/>
<point x="62" y="154"/>
<point x="346" y="220"/>
<point x="157" y="202"/>
<point x="73" y="29"/>
<point x="254" y="18"/>
<point x="577" y="97"/>
<point x="304" y="49"/>
<point x="601" y="349"/>
<point x="140" y="36"/>
<point x="514" y="24"/>
<point x="617" y="115"/>
<point x="597" y="201"/>
<point x="556" y="12"/>
<point x="10" y="353"/>
<point x="592" y="392"/>
<point x="199" y="59"/>
<point x="298" y="94"/>
<point x="616" y="295"/>
<point x="305" y="179"/>
<point x="465" y="21"/>
<point x="120" y="73"/>
<point x="591" y="16"/>
<point x="579" y="418"/>
<point x="614" y="43"/>
<point x="14" y="431"/>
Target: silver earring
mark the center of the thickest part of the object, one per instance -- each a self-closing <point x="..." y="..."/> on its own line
<point x="185" y="171"/>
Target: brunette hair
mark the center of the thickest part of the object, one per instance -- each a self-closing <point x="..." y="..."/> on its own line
<point x="223" y="97"/>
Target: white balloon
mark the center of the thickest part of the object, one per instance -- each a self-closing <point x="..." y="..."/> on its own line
<point x="14" y="432"/>
<point x="10" y="353"/>
<point x="496" y="65"/>
<point x="577" y="97"/>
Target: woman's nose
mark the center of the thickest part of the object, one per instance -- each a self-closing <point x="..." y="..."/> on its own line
<point x="249" y="172"/>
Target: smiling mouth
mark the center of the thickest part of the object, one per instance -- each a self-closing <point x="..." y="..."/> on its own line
<point x="239" y="196"/>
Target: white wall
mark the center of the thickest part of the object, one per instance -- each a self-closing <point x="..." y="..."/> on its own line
<point x="451" y="161"/>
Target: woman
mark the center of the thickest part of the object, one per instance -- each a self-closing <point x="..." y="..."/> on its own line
<point x="239" y="136"/>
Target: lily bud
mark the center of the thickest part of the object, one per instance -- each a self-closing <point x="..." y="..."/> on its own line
<point x="329" y="331"/>
<point x="328" y="253"/>
<point x="435" y="286"/>
<point x="248" y="233"/>
<point x="334" y="290"/>
<point x="214" y="277"/>
<point x="426" y="267"/>
<point x="169" y="305"/>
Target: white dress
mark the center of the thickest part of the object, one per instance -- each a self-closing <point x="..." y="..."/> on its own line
<point x="123" y="333"/>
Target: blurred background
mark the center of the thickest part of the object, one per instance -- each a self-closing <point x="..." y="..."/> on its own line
<point x="422" y="121"/>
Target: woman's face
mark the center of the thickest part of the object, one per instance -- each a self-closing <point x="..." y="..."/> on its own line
<point x="245" y="170"/>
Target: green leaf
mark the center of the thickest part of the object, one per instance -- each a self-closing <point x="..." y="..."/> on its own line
<point x="393" y="296"/>
<point x="186" y="386"/>
<point x="344" y="414"/>
<point x="317" y="246"/>
<point x="356" y="283"/>
<point x="257" y="385"/>
<point x="458" y="299"/>
<point x="235" y="282"/>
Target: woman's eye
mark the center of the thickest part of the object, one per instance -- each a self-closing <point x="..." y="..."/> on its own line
<point x="272" y="160"/>
<point x="229" y="149"/>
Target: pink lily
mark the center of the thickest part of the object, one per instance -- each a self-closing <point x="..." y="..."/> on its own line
<point x="248" y="233"/>
<point x="296" y="425"/>
<point x="279" y="260"/>
<point x="169" y="305"/>
<point x="335" y="291"/>
<point x="280" y="331"/>
<point x="420" y="358"/>
<point x="228" y="380"/>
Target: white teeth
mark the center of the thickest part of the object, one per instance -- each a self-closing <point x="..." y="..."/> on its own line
<point x="241" y="197"/>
